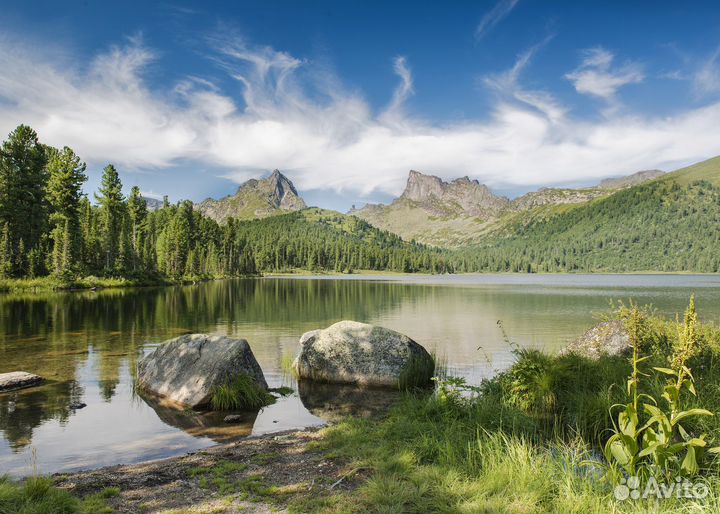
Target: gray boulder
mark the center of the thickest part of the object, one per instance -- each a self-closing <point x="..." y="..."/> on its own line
<point x="357" y="353"/>
<point x="607" y="338"/>
<point x="184" y="370"/>
<point x="18" y="380"/>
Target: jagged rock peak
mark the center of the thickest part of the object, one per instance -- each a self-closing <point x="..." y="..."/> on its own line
<point x="256" y="198"/>
<point x="471" y="196"/>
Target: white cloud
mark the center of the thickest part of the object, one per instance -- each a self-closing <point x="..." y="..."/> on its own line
<point x="596" y="77"/>
<point x="507" y="85"/>
<point x="706" y="81"/>
<point x="322" y="135"/>
<point x="494" y="16"/>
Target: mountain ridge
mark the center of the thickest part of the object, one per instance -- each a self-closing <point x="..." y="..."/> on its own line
<point x="255" y="198"/>
<point x="463" y="211"/>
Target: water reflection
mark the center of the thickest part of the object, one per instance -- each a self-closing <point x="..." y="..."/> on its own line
<point x="204" y="423"/>
<point x="87" y="344"/>
<point x="332" y="402"/>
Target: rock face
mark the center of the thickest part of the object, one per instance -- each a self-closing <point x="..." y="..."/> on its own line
<point x="465" y="212"/>
<point x="256" y="199"/>
<point x="18" y="380"/>
<point x="462" y="196"/>
<point x="185" y="369"/>
<point x="607" y="338"/>
<point x="357" y="353"/>
<point x="630" y="180"/>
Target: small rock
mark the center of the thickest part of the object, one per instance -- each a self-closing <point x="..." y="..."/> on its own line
<point x="78" y="405"/>
<point x="607" y="338"/>
<point x="233" y="418"/>
<point x="18" y="380"/>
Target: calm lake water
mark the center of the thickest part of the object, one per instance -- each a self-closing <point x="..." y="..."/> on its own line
<point x="87" y="344"/>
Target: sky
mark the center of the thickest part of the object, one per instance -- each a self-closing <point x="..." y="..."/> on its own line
<point x="191" y="99"/>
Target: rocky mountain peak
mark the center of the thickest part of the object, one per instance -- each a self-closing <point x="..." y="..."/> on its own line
<point x="256" y="198"/>
<point x="461" y="196"/>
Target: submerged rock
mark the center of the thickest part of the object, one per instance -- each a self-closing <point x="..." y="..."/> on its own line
<point x="357" y="353"/>
<point x="185" y="369"/>
<point x="607" y="338"/>
<point x="18" y="380"/>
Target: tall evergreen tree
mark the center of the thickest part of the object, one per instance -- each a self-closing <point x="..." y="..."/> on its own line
<point x="137" y="210"/>
<point x="112" y="211"/>
<point x="22" y="194"/>
<point x="64" y="192"/>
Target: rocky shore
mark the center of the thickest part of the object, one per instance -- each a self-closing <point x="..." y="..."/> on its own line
<point x="255" y="475"/>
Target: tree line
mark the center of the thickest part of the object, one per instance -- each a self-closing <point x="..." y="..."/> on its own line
<point x="49" y="227"/>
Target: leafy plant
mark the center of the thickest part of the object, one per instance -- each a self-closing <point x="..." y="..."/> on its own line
<point x="661" y="446"/>
<point x="453" y="390"/>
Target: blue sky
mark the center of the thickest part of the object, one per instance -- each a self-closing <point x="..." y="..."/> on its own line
<point x="345" y="97"/>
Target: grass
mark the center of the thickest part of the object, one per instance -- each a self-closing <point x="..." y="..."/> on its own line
<point x="418" y="372"/>
<point x="38" y="495"/>
<point x="528" y="440"/>
<point x="58" y="284"/>
<point x="241" y="393"/>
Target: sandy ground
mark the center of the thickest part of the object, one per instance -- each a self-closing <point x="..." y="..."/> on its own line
<point x="254" y="475"/>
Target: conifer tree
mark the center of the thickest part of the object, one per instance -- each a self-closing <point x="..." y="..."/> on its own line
<point x="64" y="193"/>
<point x="22" y="194"/>
<point x="112" y="210"/>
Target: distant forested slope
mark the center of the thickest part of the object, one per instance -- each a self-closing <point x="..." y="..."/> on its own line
<point x="664" y="225"/>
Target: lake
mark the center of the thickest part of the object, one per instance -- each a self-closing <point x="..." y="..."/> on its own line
<point x="87" y="345"/>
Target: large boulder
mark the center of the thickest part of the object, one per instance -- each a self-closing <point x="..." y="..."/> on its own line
<point x="607" y="338"/>
<point x="184" y="370"/>
<point x="357" y="353"/>
<point x="18" y="380"/>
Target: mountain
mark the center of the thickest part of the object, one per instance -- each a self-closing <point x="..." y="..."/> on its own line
<point x="255" y="199"/>
<point x="153" y="204"/>
<point x="671" y="223"/>
<point x="436" y="212"/>
<point x="630" y="180"/>
<point x="464" y="212"/>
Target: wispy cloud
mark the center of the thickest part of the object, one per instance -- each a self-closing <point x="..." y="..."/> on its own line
<point x="597" y="77"/>
<point x="507" y="85"/>
<point x="706" y="80"/>
<point x="493" y="17"/>
<point x="290" y="115"/>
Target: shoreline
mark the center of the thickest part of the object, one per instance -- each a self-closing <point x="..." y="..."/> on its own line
<point x="50" y="284"/>
<point x="257" y="474"/>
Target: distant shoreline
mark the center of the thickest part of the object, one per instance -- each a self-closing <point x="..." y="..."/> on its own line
<point x="52" y="284"/>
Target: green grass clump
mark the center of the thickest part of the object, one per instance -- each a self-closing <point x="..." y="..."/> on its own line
<point x="240" y="393"/>
<point x="282" y="390"/>
<point x="418" y="372"/>
<point x="38" y="495"/>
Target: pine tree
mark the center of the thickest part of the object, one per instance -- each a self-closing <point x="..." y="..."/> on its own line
<point x="64" y="193"/>
<point x="137" y="209"/>
<point x="22" y="193"/>
<point x="112" y="209"/>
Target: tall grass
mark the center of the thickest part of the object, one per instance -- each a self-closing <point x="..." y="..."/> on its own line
<point x="418" y="372"/>
<point x="240" y="393"/>
<point x="530" y="441"/>
<point x="38" y="495"/>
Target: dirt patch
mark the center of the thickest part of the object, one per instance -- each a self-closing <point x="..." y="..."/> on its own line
<point x="254" y="475"/>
